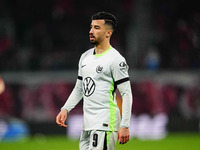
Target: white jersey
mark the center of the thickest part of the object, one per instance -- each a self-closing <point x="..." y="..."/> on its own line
<point x="99" y="75"/>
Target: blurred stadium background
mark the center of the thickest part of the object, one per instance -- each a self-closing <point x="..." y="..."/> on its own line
<point x="40" y="45"/>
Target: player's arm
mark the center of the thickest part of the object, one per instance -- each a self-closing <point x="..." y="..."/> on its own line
<point x="72" y="101"/>
<point x="121" y="77"/>
<point x="74" y="97"/>
<point x="126" y="93"/>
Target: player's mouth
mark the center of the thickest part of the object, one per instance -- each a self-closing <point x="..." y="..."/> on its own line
<point x="92" y="38"/>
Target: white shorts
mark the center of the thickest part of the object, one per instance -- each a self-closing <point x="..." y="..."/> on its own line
<point x="98" y="140"/>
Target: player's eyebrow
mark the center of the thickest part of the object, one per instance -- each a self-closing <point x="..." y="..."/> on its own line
<point x="97" y="26"/>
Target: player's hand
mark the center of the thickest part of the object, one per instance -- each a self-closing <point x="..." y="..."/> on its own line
<point x="2" y="85"/>
<point x="61" y="118"/>
<point x="123" y="135"/>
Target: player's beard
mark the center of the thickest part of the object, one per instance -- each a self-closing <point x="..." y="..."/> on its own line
<point x="94" y="41"/>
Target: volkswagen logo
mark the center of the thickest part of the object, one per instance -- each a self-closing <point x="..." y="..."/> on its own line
<point x="88" y="86"/>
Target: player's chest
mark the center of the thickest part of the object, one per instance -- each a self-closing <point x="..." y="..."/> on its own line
<point x="95" y="67"/>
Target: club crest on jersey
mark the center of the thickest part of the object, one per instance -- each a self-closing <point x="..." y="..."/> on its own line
<point x="88" y="86"/>
<point x="99" y="69"/>
<point x="123" y="66"/>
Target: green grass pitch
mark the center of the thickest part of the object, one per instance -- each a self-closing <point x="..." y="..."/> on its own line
<point x="174" y="141"/>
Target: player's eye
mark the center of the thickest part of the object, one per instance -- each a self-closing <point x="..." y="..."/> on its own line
<point x="97" y="27"/>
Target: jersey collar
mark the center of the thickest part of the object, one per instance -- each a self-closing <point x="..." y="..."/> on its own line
<point x="99" y="55"/>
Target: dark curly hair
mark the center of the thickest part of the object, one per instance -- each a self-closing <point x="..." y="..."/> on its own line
<point x="108" y="17"/>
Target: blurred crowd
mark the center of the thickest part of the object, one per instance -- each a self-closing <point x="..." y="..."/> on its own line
<point x="177" y="34"/>
<point x="51" y="35"/>
<point x="42" y="102"/>
<point x="33" y="103"/>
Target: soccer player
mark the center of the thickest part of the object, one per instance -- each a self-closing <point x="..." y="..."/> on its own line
<point x="102" y="69"/>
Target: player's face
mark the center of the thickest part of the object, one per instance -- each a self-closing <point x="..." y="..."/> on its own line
<point x="98" y="31"/>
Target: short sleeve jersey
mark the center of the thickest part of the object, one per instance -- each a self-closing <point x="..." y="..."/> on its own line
<point x="100" y="74"/>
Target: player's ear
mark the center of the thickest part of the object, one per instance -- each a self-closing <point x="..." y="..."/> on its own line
<point x="109" y="33"/>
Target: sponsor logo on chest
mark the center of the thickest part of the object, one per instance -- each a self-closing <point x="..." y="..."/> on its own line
<point x="88" y="86"/>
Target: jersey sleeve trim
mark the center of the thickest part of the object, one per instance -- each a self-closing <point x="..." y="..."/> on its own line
<point x="122" y="80"/>
<point x="80" y="78"/>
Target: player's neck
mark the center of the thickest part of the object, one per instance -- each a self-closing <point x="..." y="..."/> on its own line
<point x="99" y="49"/>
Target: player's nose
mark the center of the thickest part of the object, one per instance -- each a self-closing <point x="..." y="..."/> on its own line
<point x="91" y="31"/>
